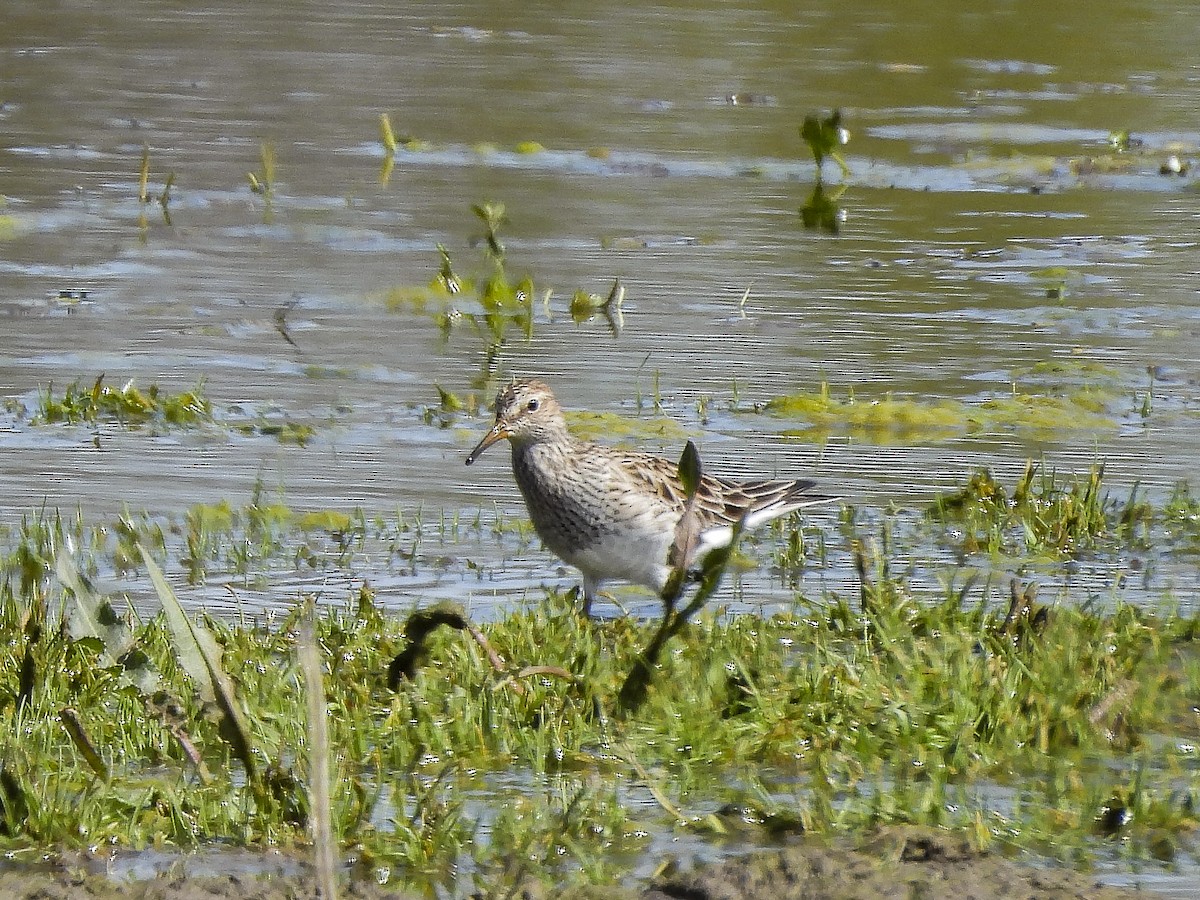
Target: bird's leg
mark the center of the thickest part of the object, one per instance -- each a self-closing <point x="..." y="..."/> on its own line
<point x="590" y="587"/>
<point x="591" y="590"/>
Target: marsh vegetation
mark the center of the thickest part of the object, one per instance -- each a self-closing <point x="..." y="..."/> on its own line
<point x="504" y="751"/>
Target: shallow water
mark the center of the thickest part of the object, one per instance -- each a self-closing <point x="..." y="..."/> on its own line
<point x="989" y="227"/>
<point x="980" y="238"/>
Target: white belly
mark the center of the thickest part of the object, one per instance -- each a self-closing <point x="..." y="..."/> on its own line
<point x="635" y="558"/>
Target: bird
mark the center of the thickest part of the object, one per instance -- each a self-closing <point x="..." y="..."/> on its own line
<point x="612" y="512"/>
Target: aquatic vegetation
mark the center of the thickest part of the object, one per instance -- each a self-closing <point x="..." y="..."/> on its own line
<point x="315" y="372"/>
<point x="164" y="196"/>
<point x="1057" y="407"/>
<point x="450" y="408"/>
<point x="1130" y="153"/>
<point x="1181" y="518"/>
<point x="492" y="215"/>
<point x="610" y="426"/>
<point x="1056" y="279"/>
<point x="288" y="432"/>
<point x="887" y="419"/>
<point x="824" y="137"/>
<point x="263" y="182"/>
<point x="1075" y="371"/>
<point x="800" y="548"/>
<point x="234" y="540"/>
<point x="390" y="144"/>
<point x="884" y="713"/>
<point x="144" y="176"/>
<point x="1081" y="410"/>
<point x="126" y="405"/>
<point x="1043" y="514"/>
<point x="1100" y="164"/>
<point x="271" y="424"/>
<point x="845" y="711"/>
<point x="493" y="302"/>
<point x="584" y="306"/>
<point x="29" y="561"/>
<point x="332" y="521"/>
<point x="1122" y="140"/>
<point x="10" y="225"/>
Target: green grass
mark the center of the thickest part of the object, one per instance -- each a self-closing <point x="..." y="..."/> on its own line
<point x="846" y="718"/>
<point x="1043" y="515"/>
<point x="504" y="754"/>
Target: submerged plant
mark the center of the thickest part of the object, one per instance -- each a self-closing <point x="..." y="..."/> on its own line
<point x="885" y="419"/>
<point x="1053" y="406"/>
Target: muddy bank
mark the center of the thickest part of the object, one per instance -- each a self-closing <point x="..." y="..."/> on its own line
<point x="897" y="862"/>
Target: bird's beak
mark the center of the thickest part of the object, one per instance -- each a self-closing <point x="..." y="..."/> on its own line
<point x="498" y="433"/>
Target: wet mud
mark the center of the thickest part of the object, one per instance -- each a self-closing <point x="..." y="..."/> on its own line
<point x="900" y="862"/>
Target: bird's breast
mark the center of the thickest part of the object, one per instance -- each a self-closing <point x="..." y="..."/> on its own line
<point x="579" y="503"/>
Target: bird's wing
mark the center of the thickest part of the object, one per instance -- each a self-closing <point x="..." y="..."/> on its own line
<point x="719" y="501"/>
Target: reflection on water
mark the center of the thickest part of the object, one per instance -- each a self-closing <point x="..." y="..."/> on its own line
<point x="987" y="225"/>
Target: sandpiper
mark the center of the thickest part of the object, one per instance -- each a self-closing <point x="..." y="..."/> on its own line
<point x="611" y="512"/>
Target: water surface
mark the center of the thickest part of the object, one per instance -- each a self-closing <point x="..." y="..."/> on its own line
<point x="989" y="227"/>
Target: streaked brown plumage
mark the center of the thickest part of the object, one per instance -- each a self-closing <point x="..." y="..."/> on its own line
<point x="612" y="512"/>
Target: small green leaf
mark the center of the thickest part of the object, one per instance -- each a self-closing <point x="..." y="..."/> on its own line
<point x="689" y="469"/>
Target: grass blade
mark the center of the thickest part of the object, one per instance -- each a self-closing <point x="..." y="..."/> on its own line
<point x="83" y="742"/>
<point x="200" y="656"/>
<point x="90" y="616"/>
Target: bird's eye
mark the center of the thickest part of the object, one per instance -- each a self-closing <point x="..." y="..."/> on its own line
<point x="532" y="405"/>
